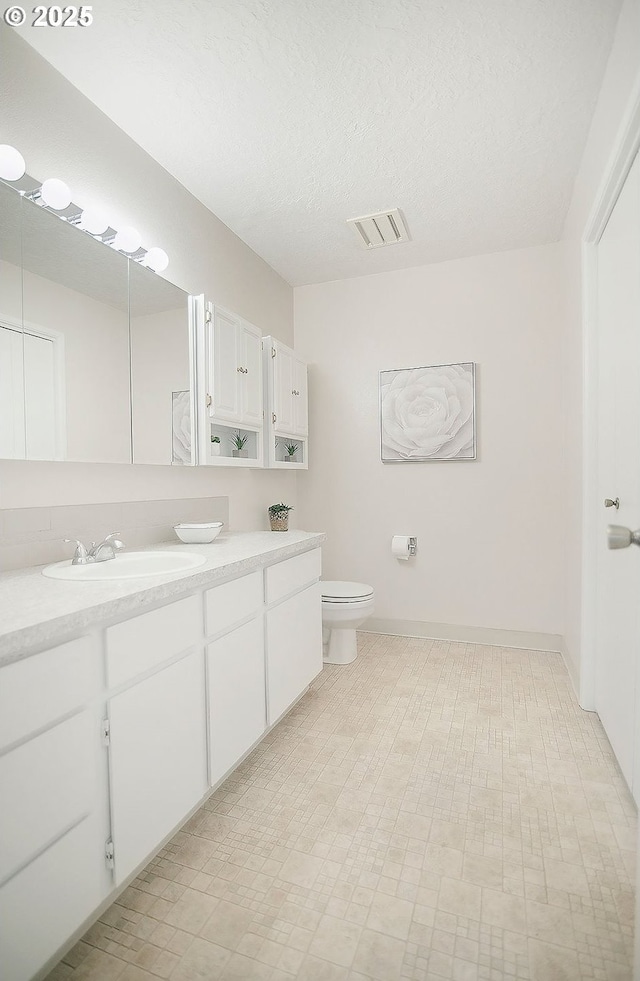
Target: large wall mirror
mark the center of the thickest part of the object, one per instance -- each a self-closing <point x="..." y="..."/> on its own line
<point x="94" y="348"/>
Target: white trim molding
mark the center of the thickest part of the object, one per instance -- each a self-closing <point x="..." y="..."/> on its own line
<point x="487" y="636"/>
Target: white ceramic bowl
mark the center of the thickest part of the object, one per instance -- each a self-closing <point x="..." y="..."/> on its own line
<point x="198" y="534"/>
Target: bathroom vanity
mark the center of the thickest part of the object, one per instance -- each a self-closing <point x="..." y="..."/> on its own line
<point x="122" y="706"/>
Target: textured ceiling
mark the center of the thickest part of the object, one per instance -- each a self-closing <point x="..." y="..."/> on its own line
<point x="286" y="117"/>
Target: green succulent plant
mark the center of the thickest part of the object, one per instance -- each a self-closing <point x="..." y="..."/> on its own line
<point x="279" y="510"/>
<point x="291" y="448"/>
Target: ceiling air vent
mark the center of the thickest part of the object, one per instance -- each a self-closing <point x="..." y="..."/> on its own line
<point x="374" y="231"/>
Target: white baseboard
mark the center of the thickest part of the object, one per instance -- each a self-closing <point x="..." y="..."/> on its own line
<point x="519" y="639"/>
<point x="575" y="681"/>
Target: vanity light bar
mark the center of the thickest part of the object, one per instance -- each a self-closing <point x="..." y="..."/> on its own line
<point x="55" y="194"/>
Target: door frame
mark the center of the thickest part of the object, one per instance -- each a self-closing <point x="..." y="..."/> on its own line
<point x="625" y="148"/>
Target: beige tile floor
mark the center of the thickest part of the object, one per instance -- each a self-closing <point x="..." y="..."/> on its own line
<point x="432" y="811"/>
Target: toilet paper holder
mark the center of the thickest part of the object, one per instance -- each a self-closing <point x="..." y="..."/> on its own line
<point x="404" y="546"/>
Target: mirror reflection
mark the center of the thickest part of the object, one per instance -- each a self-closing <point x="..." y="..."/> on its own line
<point x="94" y="348"/>
<point x="75" y="320"/>
<point x="160" y="373"/>
<point x="12" y="402"/>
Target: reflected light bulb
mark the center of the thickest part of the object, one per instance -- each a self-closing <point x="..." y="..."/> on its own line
<point x="94" y="221"/>
<point x="127" y="240"/>
<point x="12" y="165"/>
<point x="157" y="259"/>
<point x="55" y="194"/>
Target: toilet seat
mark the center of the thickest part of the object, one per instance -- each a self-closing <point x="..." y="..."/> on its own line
<point x="345" y="592"/>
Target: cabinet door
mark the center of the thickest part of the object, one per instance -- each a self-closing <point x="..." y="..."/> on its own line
<point x="300" y="399"/>
<point x="251" y="358"/>
<point x="282" y="389"/>
<point x="157" y="759"/>
<point x="45" y="903"/>
<point x="224" y="362"/>
<point x="236" y="696"/>
<point x="294" y="649"/>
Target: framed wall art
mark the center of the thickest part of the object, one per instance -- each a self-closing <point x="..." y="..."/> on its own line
<point x="181" y="427"/>
<point x="428" y="414"/>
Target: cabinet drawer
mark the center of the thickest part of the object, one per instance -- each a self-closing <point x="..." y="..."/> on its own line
<point x="40" y="689"/>
<point x="47" y="785"/>
<point x="292" y="574"/>
<point x="151" y="638"/>
<point x="232" y="602"/>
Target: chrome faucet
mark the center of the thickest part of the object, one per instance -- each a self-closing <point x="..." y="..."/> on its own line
<point x="101" y="552"/>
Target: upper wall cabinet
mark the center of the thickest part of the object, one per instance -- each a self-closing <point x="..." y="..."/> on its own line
<point x="229" y="386"/>
<point x="285" y="378"/>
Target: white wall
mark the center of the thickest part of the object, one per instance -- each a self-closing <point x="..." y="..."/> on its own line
<point x="490" y="532"/>
<point x="621" y="80"/>
<point x="61" y="134"/>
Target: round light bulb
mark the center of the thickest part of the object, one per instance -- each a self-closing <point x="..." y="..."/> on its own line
<point x="12" y="165"/>
<point x="157" y="259"/>
<point x="55" y="194"/>
<point x="128" y="240"/>
<point x="94" y="221"/>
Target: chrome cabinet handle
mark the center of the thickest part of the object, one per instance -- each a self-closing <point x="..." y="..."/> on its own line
<point x="620" y="537"/>
<point x="608" y="503"/>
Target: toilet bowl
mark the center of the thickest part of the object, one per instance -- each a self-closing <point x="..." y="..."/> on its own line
<point x="345" y="607"/>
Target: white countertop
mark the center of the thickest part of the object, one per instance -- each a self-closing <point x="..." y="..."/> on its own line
<point x="37" y="612"/>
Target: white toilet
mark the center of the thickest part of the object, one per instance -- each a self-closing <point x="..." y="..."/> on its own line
<point x="345" y="607"/>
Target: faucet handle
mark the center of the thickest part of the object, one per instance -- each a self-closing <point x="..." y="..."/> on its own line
<point x="81" y="556"/>
<point x="114" y="540"/>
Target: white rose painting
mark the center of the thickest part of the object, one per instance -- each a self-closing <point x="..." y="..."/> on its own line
<point x="181" y="428"/>
<point x="428" y="413"/>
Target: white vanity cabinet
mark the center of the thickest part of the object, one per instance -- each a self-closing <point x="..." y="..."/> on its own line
<point x="235" y="671"/>
<point x="54" y="814"/>
<point x="285" y="381"/>
<point x="293" y="630"/>
<point x="109" y="742"/>
<point x="157" y="743"/>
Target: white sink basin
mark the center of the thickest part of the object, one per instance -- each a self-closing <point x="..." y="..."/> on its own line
<point x="126" y="565"/>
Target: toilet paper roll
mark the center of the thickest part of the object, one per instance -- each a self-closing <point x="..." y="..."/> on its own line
<point x="400" y="546"/>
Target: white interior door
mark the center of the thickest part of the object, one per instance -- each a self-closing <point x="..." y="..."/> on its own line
<point x="618" y="571"/>
<point x="41" y="412"/>
<point x="32" y="423"/>
<point x="12" y="429"/>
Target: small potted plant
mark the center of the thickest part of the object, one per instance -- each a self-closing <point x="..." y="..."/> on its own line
<point x="279" y="517"/>
<point x="291" y="450"/>
<point x="238" y="442"/>
<point x="215" y="446"/>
